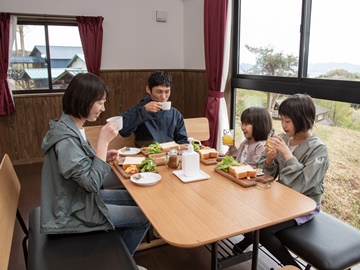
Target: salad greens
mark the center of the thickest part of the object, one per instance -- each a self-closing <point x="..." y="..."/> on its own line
<point x="154" y="148"/>
<point x="226" y="163"/>
<point x="196" y="146"/>
<point x="147" y="165"/>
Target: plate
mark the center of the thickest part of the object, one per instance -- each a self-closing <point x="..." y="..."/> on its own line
<point x="147" y="179"/>
<point x="133" y="151"/>
<point x="201" y="176"/>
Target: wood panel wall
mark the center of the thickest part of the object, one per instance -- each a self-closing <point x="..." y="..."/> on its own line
<point x="23" y="131"/>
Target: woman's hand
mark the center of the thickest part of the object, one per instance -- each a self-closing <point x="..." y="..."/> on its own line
<point x="112" y="155"/>
<point x="108" y="132"/>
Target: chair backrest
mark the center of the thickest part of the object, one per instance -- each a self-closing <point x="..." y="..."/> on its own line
<point x="92" y="133"/>
<point x="9" y="198"/>
<point x="197" y="128"/>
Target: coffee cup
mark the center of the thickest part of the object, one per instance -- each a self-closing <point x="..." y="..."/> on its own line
<point x="116" y="119"/>
<point x="166" y="105"/>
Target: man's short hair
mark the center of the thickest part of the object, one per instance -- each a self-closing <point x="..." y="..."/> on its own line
<point x="159" y="78"/>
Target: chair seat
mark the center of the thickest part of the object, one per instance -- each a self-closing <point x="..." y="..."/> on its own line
<point x="96" y="250"/>
<point x="324" y="242"/>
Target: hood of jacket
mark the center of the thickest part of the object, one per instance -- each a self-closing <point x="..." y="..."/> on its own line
<point x="60" y="130"/>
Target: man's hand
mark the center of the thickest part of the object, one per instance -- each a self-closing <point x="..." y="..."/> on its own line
<point x="153" y="106"/>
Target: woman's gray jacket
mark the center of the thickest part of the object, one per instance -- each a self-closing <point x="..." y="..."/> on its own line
<point x="71" y="178"/>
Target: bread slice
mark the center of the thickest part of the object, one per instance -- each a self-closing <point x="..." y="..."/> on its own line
<point x="132" y="161"/>
<point x="242" y="171"/>
<point x="208" y="153"/>
<point x="169" y="145"/>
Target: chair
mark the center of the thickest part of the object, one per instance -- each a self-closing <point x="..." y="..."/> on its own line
<point x="197" y="128"/>
<point x="324" y="242"/>
<point x="95" y="250"/>
<point x="9" y="198"/>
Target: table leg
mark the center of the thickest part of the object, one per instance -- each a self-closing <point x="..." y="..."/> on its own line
<point x="255" y="251"/>
<point x="214" y="259"/>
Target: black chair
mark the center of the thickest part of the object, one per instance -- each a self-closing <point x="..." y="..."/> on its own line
<point x="324" y="242"/>
<point x="95" y="250"/>
<point x="103" y="250"/>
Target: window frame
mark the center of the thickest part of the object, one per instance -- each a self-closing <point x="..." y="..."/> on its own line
<point x="46" y="21"/>
<point x="337" y="90"/>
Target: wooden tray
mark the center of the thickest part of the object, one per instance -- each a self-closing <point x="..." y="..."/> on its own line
<point x="210" y="161"/>
<point x="179" y="147"/>
<point x="162" y="154"/>
<point x="127" y="175"/>
<point x="159" y="161"/>
<point x="122" y="172"/>
<point x="244" y="181"/>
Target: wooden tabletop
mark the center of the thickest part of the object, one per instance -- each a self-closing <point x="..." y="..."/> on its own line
<point x="197" y="213"/>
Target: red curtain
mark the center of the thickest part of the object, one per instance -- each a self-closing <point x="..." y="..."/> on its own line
<point x="6" y="102"/>
<point x="91" y="34"/>
<point x="215" y="12"/>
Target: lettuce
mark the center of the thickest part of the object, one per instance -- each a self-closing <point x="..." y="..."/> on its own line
<point x="226" y="163"/>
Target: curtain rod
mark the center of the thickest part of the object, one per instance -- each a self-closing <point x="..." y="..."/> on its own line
<point x="45" y="17"/>
<point x="42" y="15"/>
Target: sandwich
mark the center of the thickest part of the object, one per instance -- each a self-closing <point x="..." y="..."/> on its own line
<point x="166" y="147"/>
<point x="132" y="161"/>
<point x="245" y="171"/>
<point x="208" y="153"/>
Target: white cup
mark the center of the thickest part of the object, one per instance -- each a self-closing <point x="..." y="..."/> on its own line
<point x="117" y="119"/>
<point x="166" y="105"/>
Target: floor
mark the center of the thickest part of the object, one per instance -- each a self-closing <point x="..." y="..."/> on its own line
<point x="162" y="257"/>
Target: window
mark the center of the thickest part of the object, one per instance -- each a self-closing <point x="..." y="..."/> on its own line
<point x="301" y="46"/>
<point x="333" y="46"/>
<point x="313" y="49"/>
<point x="265" y="27"/>
<point x="45" y="56"/>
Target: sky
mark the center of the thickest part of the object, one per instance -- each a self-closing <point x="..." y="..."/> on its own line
<point x="334" y="28"/>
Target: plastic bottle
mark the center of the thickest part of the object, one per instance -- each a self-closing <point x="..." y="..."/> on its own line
<point x="190" y="161"/>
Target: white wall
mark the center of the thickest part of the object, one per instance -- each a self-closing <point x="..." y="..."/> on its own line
<point x="194" y="56"/>
<point x="132" y="37"/>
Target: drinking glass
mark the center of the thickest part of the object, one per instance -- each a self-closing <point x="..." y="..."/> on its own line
<point x="268" y="144"/>
<point x="228" y="137"/>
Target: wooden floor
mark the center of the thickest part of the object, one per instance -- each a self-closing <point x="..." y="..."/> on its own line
<point x="163" y="257"/>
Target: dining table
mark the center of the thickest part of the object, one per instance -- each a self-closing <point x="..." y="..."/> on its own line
<point x="212" y="209"/>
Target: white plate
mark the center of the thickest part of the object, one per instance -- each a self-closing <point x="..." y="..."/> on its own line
<point x="133" y="151"/>
<point x="147" y="179"/>
<point x="186" y="179"/>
